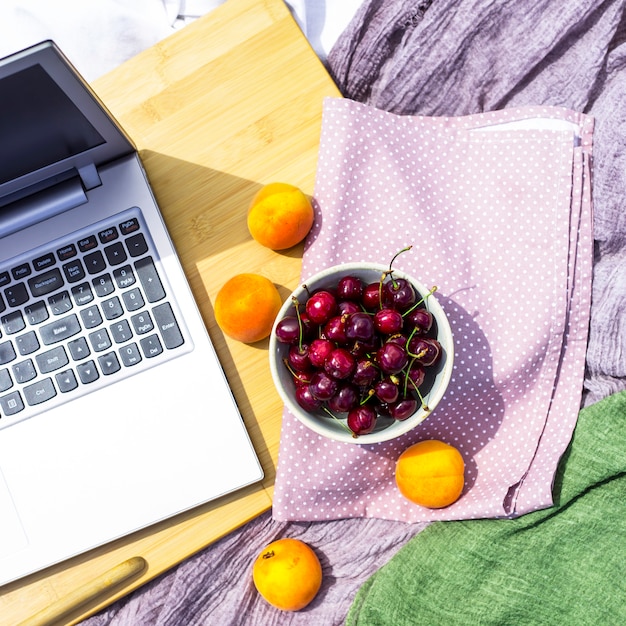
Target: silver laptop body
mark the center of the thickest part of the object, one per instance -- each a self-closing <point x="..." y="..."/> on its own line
<point x="114" y="410"/>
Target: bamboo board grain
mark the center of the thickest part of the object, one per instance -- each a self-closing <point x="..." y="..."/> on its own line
<point x="227" y="104"/>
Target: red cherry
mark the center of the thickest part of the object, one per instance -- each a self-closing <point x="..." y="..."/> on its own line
<point x="400" y="294"/>
<point x="392" y="358"/>
<point x="305" y="398"/>
<point x="346" y="398"/>
<point x="335" y="329"/>
<point x="321" y="306"/>
<point x="288" y="330"/>
<point x="322" y="386"/>
<point x="425" y="349"/>
<point x="371" y="297"/>
<point x="403" y="409"/>
<point x="419" y="319"/>
<point x="362" y="420"/>
<point x="388" y="321"/>
<point x="340" y="364"/>
<point x="349" y="288"/>
<point x="360" y="327"/>
<point x="319" y="349"/>
<point x="299" y="358"/>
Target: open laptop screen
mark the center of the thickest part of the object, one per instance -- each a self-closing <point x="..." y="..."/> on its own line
<point x="39" y="124"/>
<point x="52" y="124"/>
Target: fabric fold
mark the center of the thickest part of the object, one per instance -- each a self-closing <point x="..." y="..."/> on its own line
<point x="497" y="208"/>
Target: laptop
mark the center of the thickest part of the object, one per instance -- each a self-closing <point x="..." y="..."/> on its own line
<point x="114" y="411"/>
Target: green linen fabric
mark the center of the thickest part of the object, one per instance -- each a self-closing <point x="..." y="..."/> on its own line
<point x="562" y="566"/>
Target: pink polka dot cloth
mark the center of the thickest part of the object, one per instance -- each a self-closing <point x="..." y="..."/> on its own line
<point x="497" y="207"/>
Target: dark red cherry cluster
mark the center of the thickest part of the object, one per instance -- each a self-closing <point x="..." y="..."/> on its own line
<point x="361" y="351"/>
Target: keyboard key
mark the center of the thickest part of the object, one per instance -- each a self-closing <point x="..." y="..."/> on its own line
<point x="7" y="352"/>
<point x="36" y="312"/>
<point x="133" y="300"/>
<point x="11" y="403"/>
<point x="142" y="323"/>
<point x="124" y="277"/>
<point x="103" y="285"/>
<point x="43" y="262"/>
<point x="52" y="360"/>
<point x="21" y="271"/>
<point x="87" y="372"/>
<point x="39" y="391"/>
<point x="87" y="243"/>
<point x="112" y="308"/>
<point x="74" y="271"/>
<point x="136" y="245"/>
<point x="79" y="349"/>
<point x="108" y="234"/>
<point x="24" y="371"/>
<point x="13" y="322"/>
<point x="100" y="340"/>
<point x="121" y="331"/>
<point x="66" y="381"/>
<point x="109" y="363"/>
<point x="151" y="346"/>
<point x="150" y="279"/>
<point x="167" y="325"/>
<point x="91" y="316"/>
<point x="27" y="343"/>
<point x="115" y="253"/>
<point x="5" y="380"/>
<point x="129" y="226"/>
<point x="16" y="294"/>
<point x="94" y="262"/>
<point x="82" y="294"/>
<point x="3" y="306"/>
<point x="66" y="252"/>
<point x="59" y="329"/>
<point x="130" y="355"/>
<point x="46" y="283"/>
<point x="5" y="279"/>
<point x="60" y="303"/>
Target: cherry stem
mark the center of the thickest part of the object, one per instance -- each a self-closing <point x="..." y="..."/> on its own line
<point x="344" y="426"/>
<point x="408" y="379"/>
<point x="292" y="372"/>
<point x="296" y="304"/>
<point x="380" y="289"/>
<point x="423" y="299"/>
<point x="393" y="258"/>
<point x="370" y="393"/>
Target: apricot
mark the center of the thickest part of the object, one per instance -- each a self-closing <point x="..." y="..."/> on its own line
<point x="246" y="307"/>
<point x="288" y="574"/>
<point x="431" y="473"/>
<point x="280" y="216"/>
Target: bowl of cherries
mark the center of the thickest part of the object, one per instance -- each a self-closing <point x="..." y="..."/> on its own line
<point x="361" y="353"/>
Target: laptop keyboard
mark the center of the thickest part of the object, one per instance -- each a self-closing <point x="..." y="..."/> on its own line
<point x="87" y="311"/>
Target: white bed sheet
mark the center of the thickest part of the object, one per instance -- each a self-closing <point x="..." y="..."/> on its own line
<point x="98" y="35"/>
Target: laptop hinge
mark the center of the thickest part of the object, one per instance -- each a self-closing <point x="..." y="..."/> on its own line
<point x="44" y="204"/>
<point x="90" y="177"/>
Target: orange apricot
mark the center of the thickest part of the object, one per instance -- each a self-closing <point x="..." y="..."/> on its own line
<point x="246" y="307"/>
<point x="431" y="473"/>
<point x="280" y="216"/>
<point x="288" y="574"/>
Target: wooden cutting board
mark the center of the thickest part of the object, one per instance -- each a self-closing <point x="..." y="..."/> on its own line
<point x="227" y="104"/>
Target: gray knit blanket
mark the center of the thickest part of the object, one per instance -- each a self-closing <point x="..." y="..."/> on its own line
<point x="437" y="58"/>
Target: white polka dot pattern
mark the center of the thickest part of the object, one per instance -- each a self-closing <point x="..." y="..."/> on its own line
<point x="499" y="216"/>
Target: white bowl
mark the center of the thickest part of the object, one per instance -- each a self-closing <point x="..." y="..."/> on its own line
<point x="432" y="389"/>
